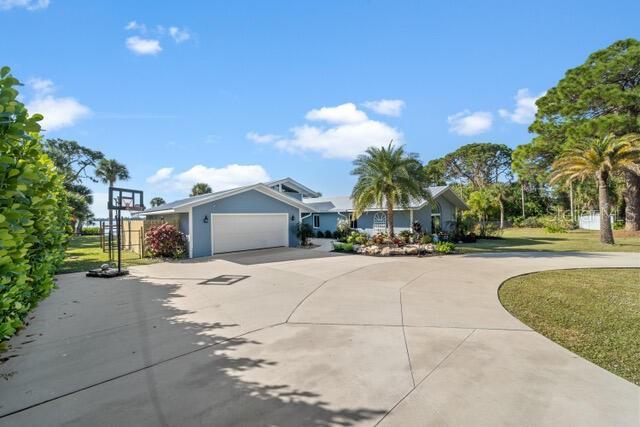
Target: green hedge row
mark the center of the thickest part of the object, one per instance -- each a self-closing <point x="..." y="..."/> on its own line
<point x="33" y="211"/>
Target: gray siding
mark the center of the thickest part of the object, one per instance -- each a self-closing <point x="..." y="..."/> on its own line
<point x="328" y="221"/>
<point x="248" y="202"/>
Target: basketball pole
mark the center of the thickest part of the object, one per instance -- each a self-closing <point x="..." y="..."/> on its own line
<point x="118" y="221"/>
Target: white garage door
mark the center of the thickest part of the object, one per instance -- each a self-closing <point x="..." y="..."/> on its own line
<point x="240" y="232"/>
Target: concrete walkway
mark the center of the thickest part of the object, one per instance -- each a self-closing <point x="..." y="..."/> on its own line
<point x="313" y="341"/>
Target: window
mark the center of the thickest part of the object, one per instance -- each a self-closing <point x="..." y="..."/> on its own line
<point x="436" y="221"/>
<point x="316" y="221"/>
<point x="379" y="222"/>
<point x="353" y="221"/>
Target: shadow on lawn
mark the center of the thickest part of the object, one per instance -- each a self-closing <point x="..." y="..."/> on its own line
<point x="164" y="370"/>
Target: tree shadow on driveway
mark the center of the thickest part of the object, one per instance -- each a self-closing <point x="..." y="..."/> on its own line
<point x="133" y="359"/>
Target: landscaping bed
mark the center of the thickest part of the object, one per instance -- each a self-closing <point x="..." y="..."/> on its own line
<point x="405" y="244"/>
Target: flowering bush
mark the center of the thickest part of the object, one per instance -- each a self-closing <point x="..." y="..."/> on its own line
<point x="379" y="239"/>
<point x="165" y="241"/>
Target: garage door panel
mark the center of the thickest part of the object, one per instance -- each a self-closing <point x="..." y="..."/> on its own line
<point x="237" y="232"/>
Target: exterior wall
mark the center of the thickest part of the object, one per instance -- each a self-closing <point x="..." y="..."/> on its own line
<point x="248" y="202"/>
<point x="401" y="221"/>
<point x="328" y="221"/>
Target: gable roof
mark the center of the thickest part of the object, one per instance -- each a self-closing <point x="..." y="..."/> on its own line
<point x="345" y="203"/>
<point x="183" y="205"/>
<point x="294" y="185"/>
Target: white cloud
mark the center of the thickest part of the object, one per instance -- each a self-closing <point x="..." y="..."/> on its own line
<point x="26" y="4"/>
<point x="224" y="178"/>
<point x="346" y="141"/>
<point x="469" y="123"/>
<point x="386" y="107"/>
<point x="141" y="46"/>
<point x="345" y="113"/>
<point x="179" y="35"/>
<point x="58" y="112"/>
<point x="348" y="133"/>
<point x="41" y="86"/>
<point x="135" y="26"/>
<point x="161" y="175"/>
<point x="261" y="138"/>
<point x="525" y="110"/>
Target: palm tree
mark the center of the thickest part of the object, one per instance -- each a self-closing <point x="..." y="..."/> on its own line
<point x="599" y="158"/>
<point x="200" y="188"/>
<point x="157" y="201"/>
<point x="388" y="175"/>
<point x="108" y="172"/>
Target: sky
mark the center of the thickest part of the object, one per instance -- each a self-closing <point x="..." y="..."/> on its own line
<point x="237" y="92"/>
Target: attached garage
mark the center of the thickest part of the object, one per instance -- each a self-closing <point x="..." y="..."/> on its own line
<point x="232" y="232"/>
<point x="253" y="217"/>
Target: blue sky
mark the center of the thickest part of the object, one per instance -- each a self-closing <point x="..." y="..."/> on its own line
<point x="234" y="92"/>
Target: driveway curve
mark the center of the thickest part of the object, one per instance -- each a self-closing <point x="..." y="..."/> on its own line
<point x="304" y="339"/>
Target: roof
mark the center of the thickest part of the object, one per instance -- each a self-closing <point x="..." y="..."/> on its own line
<point x="183" y="205"/>
<point x="345" y="203"/>
<point x="295" y="185"/>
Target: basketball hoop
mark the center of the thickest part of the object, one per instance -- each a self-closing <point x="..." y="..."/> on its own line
<point x="120" y="199"/>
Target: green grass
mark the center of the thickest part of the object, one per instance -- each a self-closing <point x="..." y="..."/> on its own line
<point x="84" y="253"/>
<point x="593" y="312"/>
<point x="537" y="239"/>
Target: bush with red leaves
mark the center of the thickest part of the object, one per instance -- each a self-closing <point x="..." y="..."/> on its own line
<point x="165" y="241"/>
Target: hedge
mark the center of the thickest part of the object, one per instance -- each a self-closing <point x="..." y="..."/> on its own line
<point x="33" y="212"/>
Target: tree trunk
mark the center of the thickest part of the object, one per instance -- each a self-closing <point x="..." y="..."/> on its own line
<point x="522" y="198"/>
<point x="571" y="208"/>
<point x="390" y="219"/>
<point x="632" y="201"/>
<point x="606" y="233"/>
<point x="501" y="204"/>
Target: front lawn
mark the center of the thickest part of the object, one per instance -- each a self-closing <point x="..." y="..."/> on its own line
<point x="537" y="239"/>
<point x="593" y="312"/>
<point x="84" y="253"/>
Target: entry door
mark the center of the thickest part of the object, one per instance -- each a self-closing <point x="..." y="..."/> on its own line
<point x="240" y="232"/>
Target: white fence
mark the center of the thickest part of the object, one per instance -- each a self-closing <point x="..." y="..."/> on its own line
<point x="591" y="221"/>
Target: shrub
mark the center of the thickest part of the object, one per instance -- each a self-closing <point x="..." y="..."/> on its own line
<point x="304" y="232"/>
<point x="328" y="234"/>
<point x="34" y="215"/>
<point x="357" y="238"/>
<point x="406" y="236"/>
<point x="530" y="222"/>
<point x="445" y="247"/>
<point x="320" y="235"/>
<point x="426" y="239"/>
<point x="379" y="238"/>
<point x="90" y="231"/>
<point x="556" y="224"/>
<point x="342" y="247"/>
<point x="618" y="225"/>
<point x="165" y="241"/>
<point x="342" y="229"/>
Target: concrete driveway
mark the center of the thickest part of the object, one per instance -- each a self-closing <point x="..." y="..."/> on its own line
<point x="307" y="339"/>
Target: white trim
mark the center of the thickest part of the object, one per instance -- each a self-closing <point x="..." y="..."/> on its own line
<point x="166" y="211"/>
<point x="411" y="219"/>
<point x="293" y="183"/>
<point x="224" y="194"/>
<point x="313" y="220"/>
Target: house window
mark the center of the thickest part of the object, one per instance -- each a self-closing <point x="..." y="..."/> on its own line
<point x="379" y="222"/>
<point x="353" y="221"/>
<point x="436" y="219"/>
<point x="316" y="221"/>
